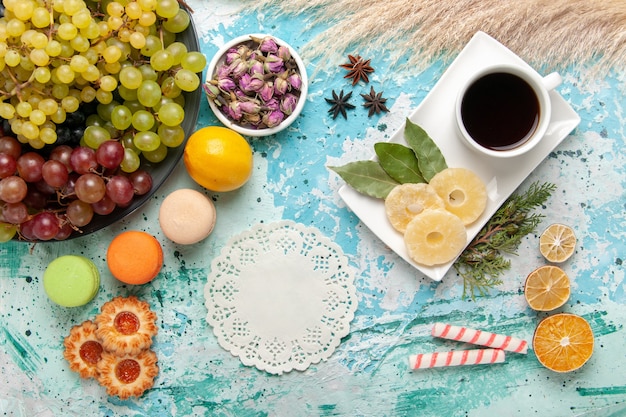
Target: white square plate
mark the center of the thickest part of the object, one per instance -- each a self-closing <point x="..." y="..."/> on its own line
<point x="436" y="116"/>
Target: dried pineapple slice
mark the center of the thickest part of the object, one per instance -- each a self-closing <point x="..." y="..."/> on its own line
<point x="406" y="201"/>
<point x="462" y="191"/>
<point x="435" y="237"/>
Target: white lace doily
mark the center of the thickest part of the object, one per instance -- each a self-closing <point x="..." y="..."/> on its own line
<point x="280" y="297"/>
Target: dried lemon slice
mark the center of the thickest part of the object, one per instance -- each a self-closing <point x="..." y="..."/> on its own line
<point x="462" y="191"/>
<point x="563" y="342"/>
<point x="547" y="288"/>
<point x="435" y="237"/>
<point x="557" y="243"/>
<point x="406" y="201"/>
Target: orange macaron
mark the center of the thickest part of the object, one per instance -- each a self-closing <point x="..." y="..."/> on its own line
<point x="135" y="257"/>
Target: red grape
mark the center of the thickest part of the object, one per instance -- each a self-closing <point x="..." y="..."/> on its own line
<point x="79" y="213"/>
<point x="45" y="225"/>
<point x="120" y="189"/>
<point x="29" y="166"/>
<point x="15" y="213"/>
<point x="62" y="153"/>
<point x="10" y="146"/>
<point x="142" y="181"/>
<point x="83" y="160"/>
<point x="104" y="206"/>
<point x="54" y="173"/>
<point x="13" y="189"/>
<point x="110" y="154"/>
<point x="8" y="165"/>
<point x="90" y="188"/>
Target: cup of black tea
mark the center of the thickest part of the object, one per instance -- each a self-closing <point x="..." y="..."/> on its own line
<point x="504" y="110"/>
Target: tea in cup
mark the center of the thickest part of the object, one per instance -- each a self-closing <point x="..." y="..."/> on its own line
<point x="505" y="110"/>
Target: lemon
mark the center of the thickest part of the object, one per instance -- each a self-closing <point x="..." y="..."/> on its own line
<point x="218" y="158"/>
<point x="557" y="243"/>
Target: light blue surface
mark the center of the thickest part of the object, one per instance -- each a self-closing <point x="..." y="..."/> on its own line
<point x="368" y="374"/>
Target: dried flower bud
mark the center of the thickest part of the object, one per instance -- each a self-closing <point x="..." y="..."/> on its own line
<point x="250" y="107"/>
<point x="280" y="86"/>
<point x="253" y="119"/>
<point x="273" y="118"/>
<point x="267" y="91"/>
<point x="237" y="68"/>
<point x="226" y="84"/>
<point x="295" y="81"/>
<point x="233" y="111"/>
<point x="268" y="44"/>
<point x="273" y="64"/>
<point x="288" y="103"/>
<point x="231" y="55"/>
<point x="249" y="83"/>
<point x="211" y="90"/>
<point x="283" y="53"/>
<point x="256" y="68"/>
<point x="271" y="105"/>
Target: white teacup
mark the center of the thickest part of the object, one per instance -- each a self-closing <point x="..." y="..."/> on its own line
<point x="504" y="110"/>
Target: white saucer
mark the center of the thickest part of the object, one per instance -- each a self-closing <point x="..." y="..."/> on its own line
<point x="436" y="116"/>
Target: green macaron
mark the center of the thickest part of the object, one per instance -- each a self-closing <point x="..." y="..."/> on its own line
<point x="71" y="280"/>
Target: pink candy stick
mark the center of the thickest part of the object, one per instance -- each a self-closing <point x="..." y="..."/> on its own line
<point x="478" y="337"/>
<point x="456" y="358"/>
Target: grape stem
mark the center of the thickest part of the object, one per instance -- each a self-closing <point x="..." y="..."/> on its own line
<point x="185" y="5"/>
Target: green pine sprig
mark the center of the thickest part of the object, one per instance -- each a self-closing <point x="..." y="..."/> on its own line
<point x="483" y="262"/>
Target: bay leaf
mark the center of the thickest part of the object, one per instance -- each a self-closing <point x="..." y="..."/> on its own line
<point x="399" y="162"/>
<point x="429" y="156"/>
<point x="366" y="177"/>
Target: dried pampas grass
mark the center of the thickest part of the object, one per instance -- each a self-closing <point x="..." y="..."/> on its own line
<point x="551" y="34"/>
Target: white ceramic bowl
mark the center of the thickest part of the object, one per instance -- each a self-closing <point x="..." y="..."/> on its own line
<point x="218" y="59"/>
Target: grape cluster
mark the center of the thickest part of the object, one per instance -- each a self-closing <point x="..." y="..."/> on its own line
<point x="89" y="89"/>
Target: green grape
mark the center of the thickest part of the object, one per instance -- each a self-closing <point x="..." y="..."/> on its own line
<point x="15" y="27"/>
<point x="115" y="9"/>
<point x="156" y="155"/>
<point x="167" y="8"/>
<point x="104" y="97"/>
<point x="153" y="44"/>
<point x="42" y="74"/>
<point x="134" y="105"/>
<point x="169" y="88"/>
<point x="67" y="31"/>
<point x="82" y="19"/>
<point x="88" y="94"/>
<point x="12" y="58"/>
<point x="40" y="18"/>
<point x="95" y="135"/>
<point x="79" y="63"/>
<point x="108" y="83"/>
<point x="39" y="40"/>
<point x="24" y="108"/>
<point x="115" y="22"/>
<point x="149" y="93"/>
<point x="70" y="104"/>
<point x="177" y="50"/>
<point x="187" y="80"/>
<point x="127" y="142"/>
<point x="178" y="23"/>
<point x="92" y="31"/>
<point x="161" y="60"/>
<point x="137" y="40"/>
<point x="80" y="43"/>
<point x="146" y="141"/>
<point x="38" y="117"/>
<point x="142" y="120"/>
<point x="133" y="10"/>
<point x="30" y="130"/>
<point x="147" y="19"/>
<point x="121" y="117"/>
<point x="59" y="116"/>
<point x="7" y="231"/>
<point x="94" y="120"/>
<point x="171" y="114"/>
<point x="39" y="57"/>
<point x="105" y="110"/>
<point x="193" y="61"/>
<point x="47" y="135"/>
<point x="147" y="4"/>
<point x="7" y="111"/>
<point x="127" y="93"/>
<point x="65" y="74"/>
<point x="130" y="77"/>
<point x="53" y="48"/>
<point x="148" y="73"/>
<point x="48" y="105"/>
<point x="112" y="54"/>
<point x="92" y="73"/>
<point x="71" y="7"/>
<point x="171" y="136"/>
<point x="130" y="162"/>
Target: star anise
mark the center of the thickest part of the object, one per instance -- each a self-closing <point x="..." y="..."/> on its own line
<point x="358" y="68"/>
<point x="374" y="102"/>
<point x="339" y="104"/>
